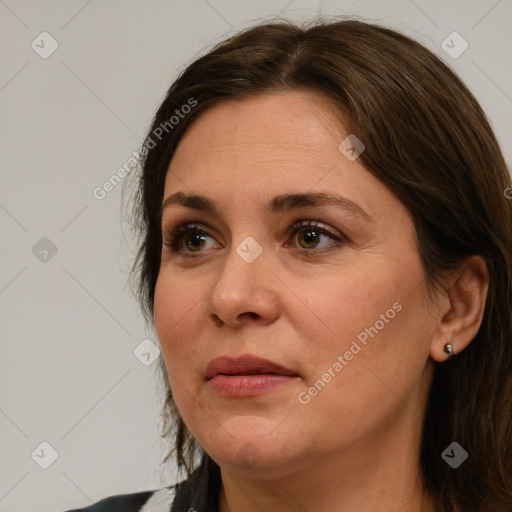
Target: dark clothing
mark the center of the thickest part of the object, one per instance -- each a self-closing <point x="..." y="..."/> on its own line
<point x="198" y="493"/>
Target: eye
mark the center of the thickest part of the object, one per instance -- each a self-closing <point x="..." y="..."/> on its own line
<point x="310" y="233"/>
<point x="193" y="235"/>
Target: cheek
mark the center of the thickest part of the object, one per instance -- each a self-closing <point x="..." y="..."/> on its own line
<point x="391" y="329"/>
<point x="378" y="319"/>
<point x="176" y="322"/>
<point x="341" y="308"/>
<point x="381" y="375"/>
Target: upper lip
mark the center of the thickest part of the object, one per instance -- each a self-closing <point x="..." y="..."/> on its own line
<point x="245" y="365"/>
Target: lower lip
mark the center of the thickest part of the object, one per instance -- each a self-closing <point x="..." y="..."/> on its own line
<point x="248" y="385"/>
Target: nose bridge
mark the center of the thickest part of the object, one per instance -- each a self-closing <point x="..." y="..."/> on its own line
<point x="247" y="236"/>
<point x="243" y="286"/>
<point x="242" y="268"/>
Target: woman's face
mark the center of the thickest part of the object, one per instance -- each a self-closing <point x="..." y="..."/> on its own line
<point x="333" y="292"/>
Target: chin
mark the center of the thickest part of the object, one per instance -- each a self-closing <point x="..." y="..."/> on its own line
<point x="251" y="442"/>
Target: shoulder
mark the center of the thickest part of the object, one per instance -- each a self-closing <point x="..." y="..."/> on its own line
<point x="199" y="492"/>
<point x="147" y="501"/>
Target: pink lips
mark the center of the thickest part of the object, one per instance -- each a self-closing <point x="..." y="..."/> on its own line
<point x="246" y="375"/>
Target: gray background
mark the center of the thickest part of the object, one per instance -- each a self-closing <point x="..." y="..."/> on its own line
<point x="69" y="328"/>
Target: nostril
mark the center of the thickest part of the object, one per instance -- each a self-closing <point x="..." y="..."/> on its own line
<point x="217" y="321"/>
<point x="250" y="314"/>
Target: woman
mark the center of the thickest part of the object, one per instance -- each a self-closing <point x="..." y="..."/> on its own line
<point x="326" y="256"/>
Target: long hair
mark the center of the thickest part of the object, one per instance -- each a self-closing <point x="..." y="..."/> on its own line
<point x="428" y="140"/>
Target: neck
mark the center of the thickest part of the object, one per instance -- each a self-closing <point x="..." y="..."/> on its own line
<point x="379" y="476"/>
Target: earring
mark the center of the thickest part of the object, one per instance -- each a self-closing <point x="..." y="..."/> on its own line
<point x="449" y="350"/>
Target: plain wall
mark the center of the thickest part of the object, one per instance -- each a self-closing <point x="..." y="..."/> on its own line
<point x="69" y="327"/>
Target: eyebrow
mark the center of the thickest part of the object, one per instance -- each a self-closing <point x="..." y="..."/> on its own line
<point x="277" y="204"/>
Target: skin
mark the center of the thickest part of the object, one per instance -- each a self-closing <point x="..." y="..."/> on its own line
<point x="355" y="445"/>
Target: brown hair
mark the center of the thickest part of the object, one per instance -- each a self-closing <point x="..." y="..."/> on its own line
<point x="428" y="140"/>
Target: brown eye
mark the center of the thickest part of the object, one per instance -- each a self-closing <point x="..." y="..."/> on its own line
<point x="194" y="241"/>
<point x="309" y="237"/>
<point x="192" y="236"/>
<point x="309" y="234"/>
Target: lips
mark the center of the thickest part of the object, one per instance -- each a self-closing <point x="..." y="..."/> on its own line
<point x="246" y="365"/>
<point x="247" y="376"/>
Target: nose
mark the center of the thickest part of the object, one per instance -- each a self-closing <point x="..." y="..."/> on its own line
<point x="243" y="293"/>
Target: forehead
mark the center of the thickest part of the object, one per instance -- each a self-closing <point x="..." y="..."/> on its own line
<point x="288" y="134"/>
<point x="296" y="122"/>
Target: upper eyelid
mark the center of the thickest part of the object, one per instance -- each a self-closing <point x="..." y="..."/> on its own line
<point x="314" y="223"/>
<point x="201" y="226"/>
<point x="182" y="228"/>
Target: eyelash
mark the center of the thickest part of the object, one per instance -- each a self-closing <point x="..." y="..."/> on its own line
<point x="173" y="237"/>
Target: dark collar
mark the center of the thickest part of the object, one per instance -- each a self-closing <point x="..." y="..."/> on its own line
<point x="200" y="491"/>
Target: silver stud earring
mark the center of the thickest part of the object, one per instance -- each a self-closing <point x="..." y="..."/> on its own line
<point x="449" y="350"/>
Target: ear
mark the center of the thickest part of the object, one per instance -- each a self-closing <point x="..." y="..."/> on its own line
<point x="462" y="310"/>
